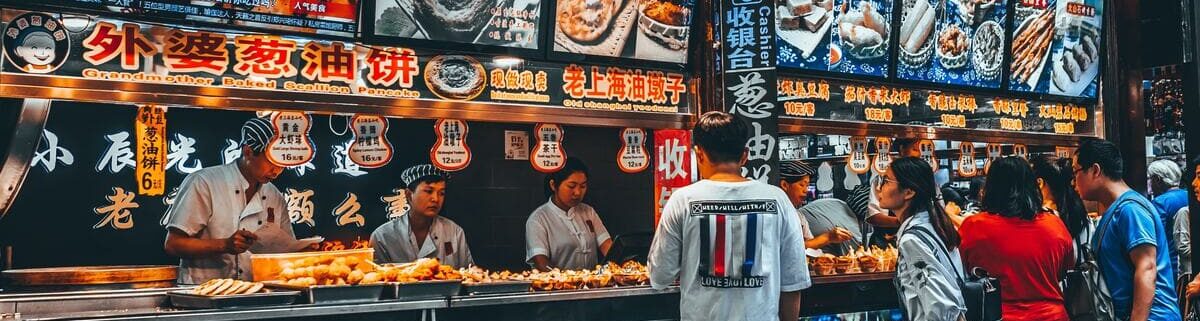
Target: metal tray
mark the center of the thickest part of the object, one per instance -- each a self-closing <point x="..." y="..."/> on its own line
<point x="423" y="290"/>
<point x="334" y="293"/>
<point x="497" y="287"/>
<point x="187" y="299"/>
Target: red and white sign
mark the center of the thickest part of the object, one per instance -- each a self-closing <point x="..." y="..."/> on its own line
<point x="633" y="157"/>
<point x="857" y="161"/>
<point x="883" y="155"/>
<point x="966" y="160"/>
<point x="291" y="145"/>
<point x="994" y="152"/>
<point x="548" y="154"/>
<point x="370" y="147"/>
<point x="1021" y="151"/>
<point x="673" y="170"/>
<point x="450" y="152"/>
<point x="927" y="153"/>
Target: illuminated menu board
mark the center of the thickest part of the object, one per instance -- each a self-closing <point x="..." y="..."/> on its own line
<point x="1056" y="47"/>
<point x="510" y="23"/>
<point x="844" y="36"/>
<point x="957" y="42"/>
<point x="640" y="29"/>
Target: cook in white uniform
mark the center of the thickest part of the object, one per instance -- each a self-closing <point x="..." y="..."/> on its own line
<point x="565" y="233"/>
<point x="734" y="244"/>
<point x="421" y="232"/>
<point x="208" y="226"/>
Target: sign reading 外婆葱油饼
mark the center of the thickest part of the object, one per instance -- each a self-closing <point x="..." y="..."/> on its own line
<point x="120" y="51"/>
<point x="811" y="98"/>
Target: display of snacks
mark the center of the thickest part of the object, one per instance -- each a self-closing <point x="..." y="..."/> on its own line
<point x="630" y="273"/>
<point x="1030" y="46"/>
<point x="267" y="267"/>
<point x="864" y="31"/>
<point x="351" y="270"/>
<point x="863" y="260"/>
<point x="219" y="287"/>
<point x="952" y="47"/>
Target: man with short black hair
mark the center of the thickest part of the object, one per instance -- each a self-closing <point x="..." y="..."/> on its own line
<point x="1131" y="242"/>
<point x="835" y="222"/>
<point x="422" y="232"/>
<point x="733" y="243"/>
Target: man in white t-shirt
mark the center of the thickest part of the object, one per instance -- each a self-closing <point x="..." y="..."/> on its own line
<point x="734" y="244"/>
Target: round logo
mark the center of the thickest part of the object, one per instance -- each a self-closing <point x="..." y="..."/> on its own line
<point x="36" y="43"/>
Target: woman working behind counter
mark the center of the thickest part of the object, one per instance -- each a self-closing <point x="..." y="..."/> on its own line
<point x="564" y="233"/>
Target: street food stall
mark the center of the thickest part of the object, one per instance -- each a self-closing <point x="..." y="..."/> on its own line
<point x="112" y="105"/>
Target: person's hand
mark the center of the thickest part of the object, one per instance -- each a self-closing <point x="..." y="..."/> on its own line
<point x="953" y="209"/>
<point x="1193" y="288"/>
<point x="239" y="242"/>
<point x="839" y="235"/>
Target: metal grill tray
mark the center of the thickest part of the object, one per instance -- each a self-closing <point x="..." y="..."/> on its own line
<point x="419" y="290"/>
<point x="497" y="287"/>
<point x="334" y="293"/>
<point x="187" y="299"/>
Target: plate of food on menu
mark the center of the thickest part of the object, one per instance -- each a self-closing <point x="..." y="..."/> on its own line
<point x="1077" y="63"/>
<point x="664" y="23"/>
<point x="987" y="50"/>
<point x="455" y="77"/>
<point x="804" y="24"/>
<point x="1031" y="48"/>
<point x="916" y="30"/>
<point x="594" y="27"/>
<point x="863" y="31"/>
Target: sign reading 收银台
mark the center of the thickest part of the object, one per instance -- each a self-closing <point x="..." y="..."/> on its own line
<point x="132" y="52"/>
<point x="746" y="38"/>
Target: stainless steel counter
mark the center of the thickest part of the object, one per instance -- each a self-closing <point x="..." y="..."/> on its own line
<point x="536" y="297"/>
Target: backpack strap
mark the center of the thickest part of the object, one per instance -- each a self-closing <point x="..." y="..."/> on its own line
<point x="925" y="236"/>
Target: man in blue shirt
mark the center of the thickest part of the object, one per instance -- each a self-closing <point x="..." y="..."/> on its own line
<point x="1168" y="197"/>
<point x="1131" y="241"/>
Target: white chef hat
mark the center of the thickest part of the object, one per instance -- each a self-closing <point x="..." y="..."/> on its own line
<point x="257" y="133"/>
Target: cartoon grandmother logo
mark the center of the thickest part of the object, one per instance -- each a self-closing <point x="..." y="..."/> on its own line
<point x="36" y="43"/>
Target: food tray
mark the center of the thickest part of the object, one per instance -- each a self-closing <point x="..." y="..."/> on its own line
<point x="1037" y="74"/>
<point x="497" y="287"/>
<point x="925" y="52"/>
<point x="267" y="267"/>
<point x="187" y="299"/>
<point x="422" y="290"/>
<point x="334" y="293"/>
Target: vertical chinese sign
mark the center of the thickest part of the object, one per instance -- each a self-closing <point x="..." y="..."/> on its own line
<point x="673" y="165"/>
<point x="151" y="126"/>
<point x="746" y="33"/>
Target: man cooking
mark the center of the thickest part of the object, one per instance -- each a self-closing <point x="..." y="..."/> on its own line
<point x="794" y="177"/>
<point x="209" y="224"/>
<point x="421" y="232"/>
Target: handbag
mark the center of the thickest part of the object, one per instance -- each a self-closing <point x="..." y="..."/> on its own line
<point x="980" y="292"/>
<point x="1085" y="294"/>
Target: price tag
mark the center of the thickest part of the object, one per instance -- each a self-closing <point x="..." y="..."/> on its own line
<point x="633" y="157"/>
<point x="370" y="147"/>
<point x="450" y="152"/>
<point x="883" y="155"/>
<point x="516" y="145"/>
<point x="966" y="160"/>
<point x="151" y="126"/>
<point x="857" y="161"/>
<point x="1021" y="151"/>
<point x="927" y="153"/>
<point x="291" y="145"/>
<point x="1063" y="152"/>
<point x="994" y="152"/>
<point x="548" y="155"/>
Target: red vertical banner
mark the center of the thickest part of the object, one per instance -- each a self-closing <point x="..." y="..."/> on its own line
<point x="673" y="165"/>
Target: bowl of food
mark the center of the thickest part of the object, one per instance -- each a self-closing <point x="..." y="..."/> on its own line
<point x="666" y="22"/>
<point x="952" y="45"/>
<point x="844" y="264"/>
<point x="974" y="11"/>
<point x="916" y="29"/>
<point x="987" y="51"/>
<point x="823" y="265"/>
<point x="868" y="263"/>
<point x="864" y="32"/>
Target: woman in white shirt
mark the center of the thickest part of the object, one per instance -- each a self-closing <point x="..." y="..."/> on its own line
<point x="928" y="271"/>
<point x="565" y="233"/>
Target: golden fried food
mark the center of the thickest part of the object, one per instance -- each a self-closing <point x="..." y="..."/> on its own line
<point x="217" y="287"/>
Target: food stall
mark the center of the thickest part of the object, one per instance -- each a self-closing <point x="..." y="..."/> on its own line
<point x="970" y="80"/>
<point x="114" y="104"/>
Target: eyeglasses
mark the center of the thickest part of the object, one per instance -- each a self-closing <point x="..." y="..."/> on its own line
<point x="883" y="180"/>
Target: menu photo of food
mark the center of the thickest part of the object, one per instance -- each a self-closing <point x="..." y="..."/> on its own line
<point x="640" y="29"/>
<point x="1076" y="61"/>
<point x="847" y="36"/>
<point x="958" y="42"/>
<point x="506" y="23"/>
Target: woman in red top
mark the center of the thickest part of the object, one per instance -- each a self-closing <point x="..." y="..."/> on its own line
<point x="1018" y="242"/>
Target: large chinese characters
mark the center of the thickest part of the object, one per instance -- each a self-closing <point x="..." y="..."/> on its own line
<point x="747" y="67"/>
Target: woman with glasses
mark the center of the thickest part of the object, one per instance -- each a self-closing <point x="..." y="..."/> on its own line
<point x="1020" y="243"/>
<point x="928" y="273"/>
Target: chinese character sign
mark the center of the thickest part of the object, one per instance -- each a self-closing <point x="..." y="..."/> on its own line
<point x="548" y="154"/>
<point x="450" y="151"/>
<point x="883" y="155"/>
<point x="966" y="160"/>
<point x="370" y="147"/>
<point x="151" y="128"/>
<point x="291" y="145"/>
<point x="632" y="157"/>
<point x="746" y="37"/>
<point x="857" y="161"/>
<point x="994" y="152"/>
<point x="673" y="165"/>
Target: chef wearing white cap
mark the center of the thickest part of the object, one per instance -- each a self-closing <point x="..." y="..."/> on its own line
<point x="565" y="233"/>
<point x="209" y="224"/>
<point x="421" y="232"/>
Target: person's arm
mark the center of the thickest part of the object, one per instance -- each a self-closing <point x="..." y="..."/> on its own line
<point x="537" y="244"/>
<point x="835" y="236"/>
<point x="1145" y="272"/>
<point x="666" y="249"/>
<point x="1193" y="288"/>
<point x="604" y="247"/>
<point x="602" y="236"/>
<point x="884" y="220"/>
<point x="926" y="293"/>
<point x="789" y="306"/>
<point x="1183" y="236"/>
<point x="955" y="214"/>
<point x="179" y="244"/>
